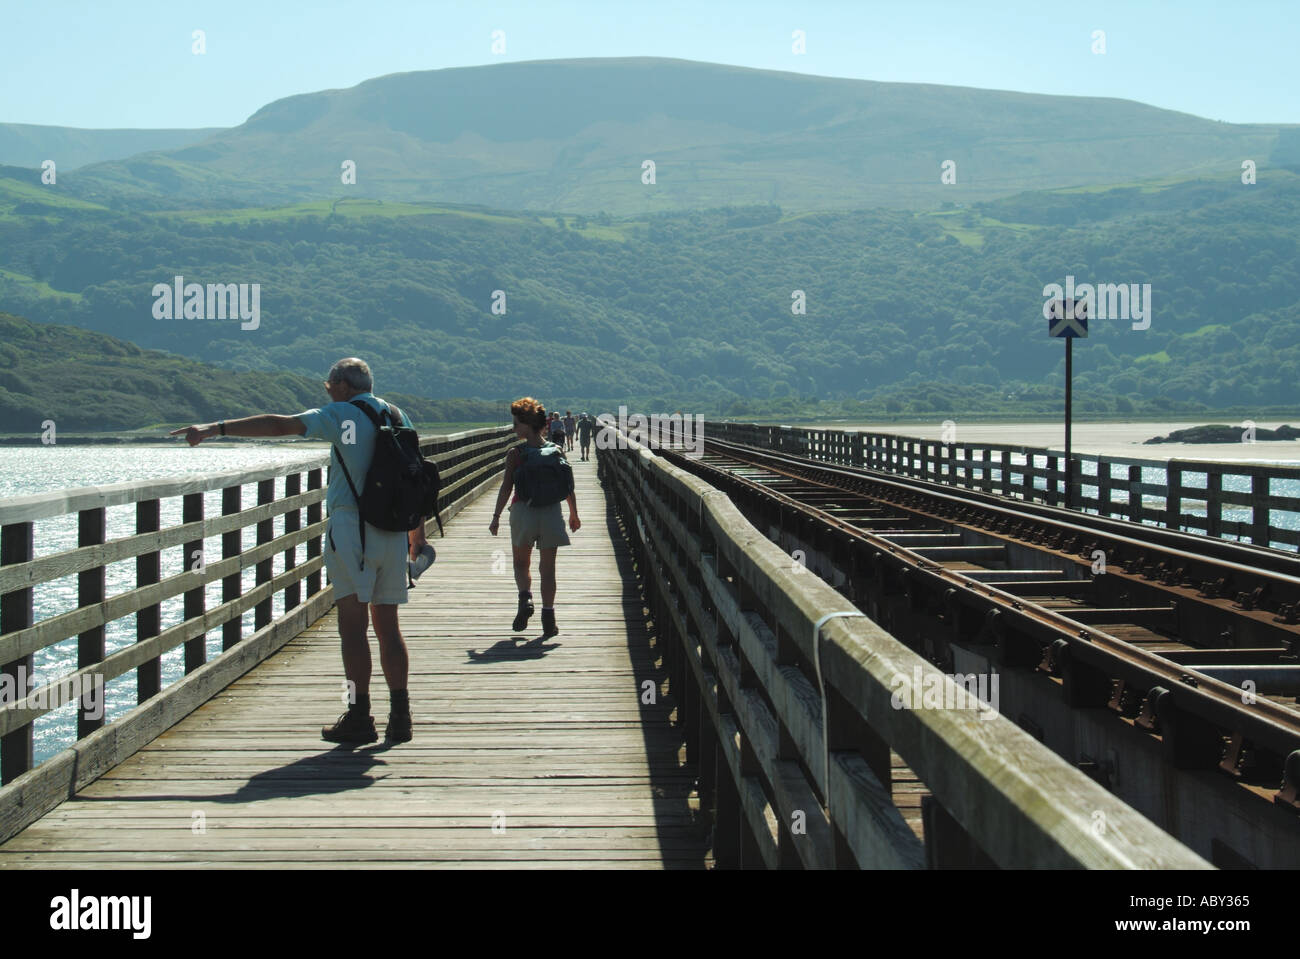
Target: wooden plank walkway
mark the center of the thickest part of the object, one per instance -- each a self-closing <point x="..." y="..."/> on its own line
<point x="526" y="754"/>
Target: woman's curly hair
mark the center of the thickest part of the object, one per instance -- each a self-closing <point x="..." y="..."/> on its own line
<point x="529" y="412"/>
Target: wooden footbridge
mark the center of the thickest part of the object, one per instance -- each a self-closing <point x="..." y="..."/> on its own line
<point x="707" y="703"/>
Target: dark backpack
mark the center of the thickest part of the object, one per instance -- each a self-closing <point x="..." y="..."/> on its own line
<point x="401" y="486"/>
<point x="543" y="476"/>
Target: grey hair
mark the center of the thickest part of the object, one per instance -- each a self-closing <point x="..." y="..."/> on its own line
<point x="354" y="372"/>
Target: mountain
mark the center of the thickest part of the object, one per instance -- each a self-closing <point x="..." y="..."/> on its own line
<point x="29" y="145"/>
<point x="572" y="135"/>
<point x="90" y="381"/>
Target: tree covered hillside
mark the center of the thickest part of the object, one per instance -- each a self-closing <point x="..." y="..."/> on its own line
<point x="89" y="381"/>
<point x="699" y="304"/>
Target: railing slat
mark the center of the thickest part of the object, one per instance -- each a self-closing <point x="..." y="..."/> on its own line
<point x="265" y="533"/>
<point x="292" y="523"/>
<point x="148" y="569"/>
<point x="15" y="614"/>
<point x="69" y="562"/>
<point x="231" y="585"/>
<point x="92" y="529"/>
<point x="194" y="558"/>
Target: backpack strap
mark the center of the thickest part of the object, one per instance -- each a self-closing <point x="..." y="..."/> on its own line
<point x="370" y="413"/>
<point x="361" y="522"/>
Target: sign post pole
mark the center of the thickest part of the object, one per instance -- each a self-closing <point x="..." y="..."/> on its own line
<point x="1068" y="319"/>
<point x="1069" y="389"/>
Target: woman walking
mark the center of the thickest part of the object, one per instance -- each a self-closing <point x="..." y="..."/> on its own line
<point x="541" y="479"/>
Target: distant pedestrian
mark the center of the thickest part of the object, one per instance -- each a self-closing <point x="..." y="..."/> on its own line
<point x="368" y="571"/>
<point x="570" y="427"/>
<point x="555" y="429"/>
<point x="541" y="479"/>
<point x="586" y="425"/>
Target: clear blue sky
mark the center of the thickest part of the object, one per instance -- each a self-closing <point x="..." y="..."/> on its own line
<point x="128" y="63"/>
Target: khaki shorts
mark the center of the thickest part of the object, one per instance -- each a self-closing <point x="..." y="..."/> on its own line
<point x="537" y="525"/>
<point x="383" y="581"/>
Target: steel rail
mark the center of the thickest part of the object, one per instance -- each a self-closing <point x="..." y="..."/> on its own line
<point x="1192" y="549"/>
<point x="1178" y="685"/>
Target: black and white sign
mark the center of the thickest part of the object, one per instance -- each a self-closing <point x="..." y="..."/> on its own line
<point x="1068" y="319"/>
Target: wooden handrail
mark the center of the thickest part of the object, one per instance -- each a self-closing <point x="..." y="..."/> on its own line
<point x="988" y="467"/>
<point x="801" y="729"/>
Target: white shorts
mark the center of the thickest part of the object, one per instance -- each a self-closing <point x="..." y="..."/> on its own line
<point x="542" y="526"/>
<point x="383" y="580"/>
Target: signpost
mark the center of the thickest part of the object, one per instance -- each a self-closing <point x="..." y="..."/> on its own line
<point x="1068" y="320"/>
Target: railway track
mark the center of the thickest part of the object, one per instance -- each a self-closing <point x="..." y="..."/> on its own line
<point x="1188" y="645"/>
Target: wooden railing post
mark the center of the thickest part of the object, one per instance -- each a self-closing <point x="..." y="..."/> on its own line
<point x="292" y="523"/>
<point x="313" y="544"/>
<point x="1259" y="512"/>
<point x="726" y="816"/>
<point x="16" y="614"/>
<point x="1213" y="501"/>
<point x="1173" y="496"/>
<point x="265" y="533"/>
<point x="148" y="569"/>
<point x="231" y="546"/>
<point x="92" y="528"/>
<point x="947" y="844"/>
<point x="1135" y="509"/>
<point x="194" y="560"/>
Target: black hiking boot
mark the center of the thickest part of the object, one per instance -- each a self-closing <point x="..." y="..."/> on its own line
<point x="399" y="727"/>
<point x="549" y="628"/>
<point x="525" y="612"/>
<point x="353" y="727"/>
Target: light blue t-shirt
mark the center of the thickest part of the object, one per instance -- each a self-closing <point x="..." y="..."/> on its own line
<point x="331" y="424"/>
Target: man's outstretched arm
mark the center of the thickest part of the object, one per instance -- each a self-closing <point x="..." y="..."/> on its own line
<point x="267" y="424"/>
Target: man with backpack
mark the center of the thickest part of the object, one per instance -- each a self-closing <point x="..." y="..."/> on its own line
<point x="366" y="563"/>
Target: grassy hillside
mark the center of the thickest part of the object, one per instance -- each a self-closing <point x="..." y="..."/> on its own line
<point x="93" y="382"/>
<point x="572" y="135"/>
<point x="29" y="145"/>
